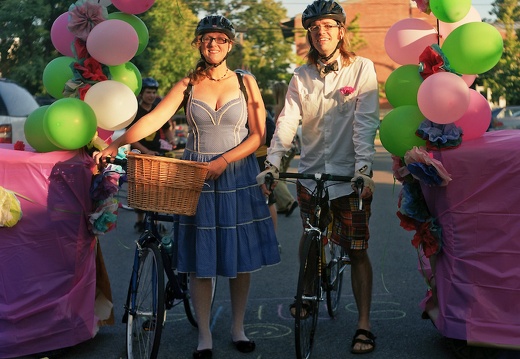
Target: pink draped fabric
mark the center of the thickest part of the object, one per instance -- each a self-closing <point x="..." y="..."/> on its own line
<point x="47" y="260"/>
<point x="477" y="272"/>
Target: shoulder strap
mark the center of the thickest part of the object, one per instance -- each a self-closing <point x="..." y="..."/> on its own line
<point x="242" y="86"/>
<point x="185" y="99"/>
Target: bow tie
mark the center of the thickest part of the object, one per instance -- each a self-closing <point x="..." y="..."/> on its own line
<point x="325" y="69"/>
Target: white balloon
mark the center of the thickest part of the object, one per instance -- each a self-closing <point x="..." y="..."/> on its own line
<point x="114" y="104"/>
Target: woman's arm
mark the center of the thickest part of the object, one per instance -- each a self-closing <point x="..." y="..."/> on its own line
<point x="150" y="122"/>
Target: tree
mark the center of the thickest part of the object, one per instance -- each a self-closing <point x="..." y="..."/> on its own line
<point x="169" y="55"/>
<point x="263" y="49"/>
<point x="25" y="44"/>
<point x="503" y="79"/>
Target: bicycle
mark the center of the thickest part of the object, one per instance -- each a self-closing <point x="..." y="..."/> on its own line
<point x="148" y="295"/>
<point x="322" y="265"/>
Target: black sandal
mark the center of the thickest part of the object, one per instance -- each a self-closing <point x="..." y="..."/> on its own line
<point x="306" y="308"/>
<point x="371" y="340"/>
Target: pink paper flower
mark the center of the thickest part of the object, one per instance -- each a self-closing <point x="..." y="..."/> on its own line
<point x="347" y="90"/>
<point x="83" y="16"/>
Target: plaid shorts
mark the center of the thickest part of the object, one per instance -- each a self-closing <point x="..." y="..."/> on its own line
<point x="349" y="225"/>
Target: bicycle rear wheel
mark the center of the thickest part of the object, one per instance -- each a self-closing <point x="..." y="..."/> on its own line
<point x="188" y="307"/>
<point x="308" y="295"/>
<point x="146" y="309"/>
<point x="336" y="266"/>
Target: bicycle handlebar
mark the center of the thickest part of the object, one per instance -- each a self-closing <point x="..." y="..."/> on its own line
<point x="318" y="177"/>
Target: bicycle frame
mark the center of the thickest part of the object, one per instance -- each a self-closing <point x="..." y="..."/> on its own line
<point x="316" y="273"/>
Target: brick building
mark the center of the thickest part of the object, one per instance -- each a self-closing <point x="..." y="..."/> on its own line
<point x="375" y="17"/>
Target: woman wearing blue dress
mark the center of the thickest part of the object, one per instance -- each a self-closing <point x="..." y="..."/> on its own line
<point x="232" y="233"/>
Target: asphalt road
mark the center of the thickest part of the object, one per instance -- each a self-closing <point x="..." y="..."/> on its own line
<point x="396" y="316"/>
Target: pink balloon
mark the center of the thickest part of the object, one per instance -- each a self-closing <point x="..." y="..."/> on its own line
<point x="133" y="6"/>
<point x="61" y="37"/>
<point x="443" y="97"/>
<point x="476" y="119"/>
<point x="113" y="42"/>
<point x="407" y="39"/>
<point x="469" y="79"/>
<point x="445" y="27"/>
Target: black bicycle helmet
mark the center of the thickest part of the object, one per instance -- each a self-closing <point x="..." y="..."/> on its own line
<point x="215" y="23"/>
<point x="149" y="82"/>
<point x="323" y="9"/>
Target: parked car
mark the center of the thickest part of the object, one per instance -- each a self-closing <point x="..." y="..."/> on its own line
<point x="505" y="118"/>
<point x="16" y="103"/>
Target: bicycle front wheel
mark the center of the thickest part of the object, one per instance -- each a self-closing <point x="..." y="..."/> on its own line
<point x="308" y="296"/>
<point x="146" y="309"/>
<point x="336" y="266"/>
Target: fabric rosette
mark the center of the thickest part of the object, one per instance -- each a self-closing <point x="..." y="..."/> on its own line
<point x="104" y="217"/>
<point x="399" y="169"/>
<point x="348" y="92"/>
<point x="83" y="16"/>
<point x="432" y="60"/>
<point x="440" y="136"/>
<point x="414" y="215"/>
<point x="425" y="168"/>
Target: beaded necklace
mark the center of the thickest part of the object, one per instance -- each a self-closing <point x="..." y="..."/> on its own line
<point x="223" y="76"/>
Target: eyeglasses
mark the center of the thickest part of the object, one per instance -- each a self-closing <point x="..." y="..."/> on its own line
<point x="219" y="40"/>
<point x="326" y="27"/>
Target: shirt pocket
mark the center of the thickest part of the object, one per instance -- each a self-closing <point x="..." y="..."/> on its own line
<point x="347" y="104"/>
<point x="311" y="104"/>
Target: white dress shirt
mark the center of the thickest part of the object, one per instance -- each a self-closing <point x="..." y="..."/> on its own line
<point x="338" y="131"/>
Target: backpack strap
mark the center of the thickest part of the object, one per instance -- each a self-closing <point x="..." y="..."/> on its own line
<point x="242" y="86"/>
<point x="185" y="99"/>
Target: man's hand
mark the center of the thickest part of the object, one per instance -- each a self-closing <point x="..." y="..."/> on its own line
<point x="368" y="183"/>
<point x="260" y="178"/>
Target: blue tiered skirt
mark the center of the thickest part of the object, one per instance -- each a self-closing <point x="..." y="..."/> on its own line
<point x="232" y="231"/>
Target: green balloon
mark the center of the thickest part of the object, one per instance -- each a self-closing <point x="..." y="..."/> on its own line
<point x="402" y="86"/>
<point x="127" y="74"/>
<point x="138" y="25"/>
<point x="70" y="123"/>
<point x="473" y="48"/>
<point x="56" y="74"/>
<point x="34" y="133"/>
<point x="397" y="130"/>
<point x="450" y="10"/>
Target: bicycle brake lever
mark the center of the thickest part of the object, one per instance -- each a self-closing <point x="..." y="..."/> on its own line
<point x="359" y="185"/>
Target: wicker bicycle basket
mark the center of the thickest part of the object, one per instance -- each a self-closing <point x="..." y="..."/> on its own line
<point x="166" y="185"/>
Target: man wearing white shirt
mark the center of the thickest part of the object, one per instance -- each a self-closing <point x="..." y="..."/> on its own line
<point x="335" y="96"/>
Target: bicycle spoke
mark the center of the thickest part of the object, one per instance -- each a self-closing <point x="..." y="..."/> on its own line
<point x="336" y="266"/>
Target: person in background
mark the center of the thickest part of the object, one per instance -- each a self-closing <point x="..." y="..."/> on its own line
<point x="232" y="233"/>
<point x="285" y="202"/>
<point x="150" y="145"/>
<point x="336" y="97"/>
